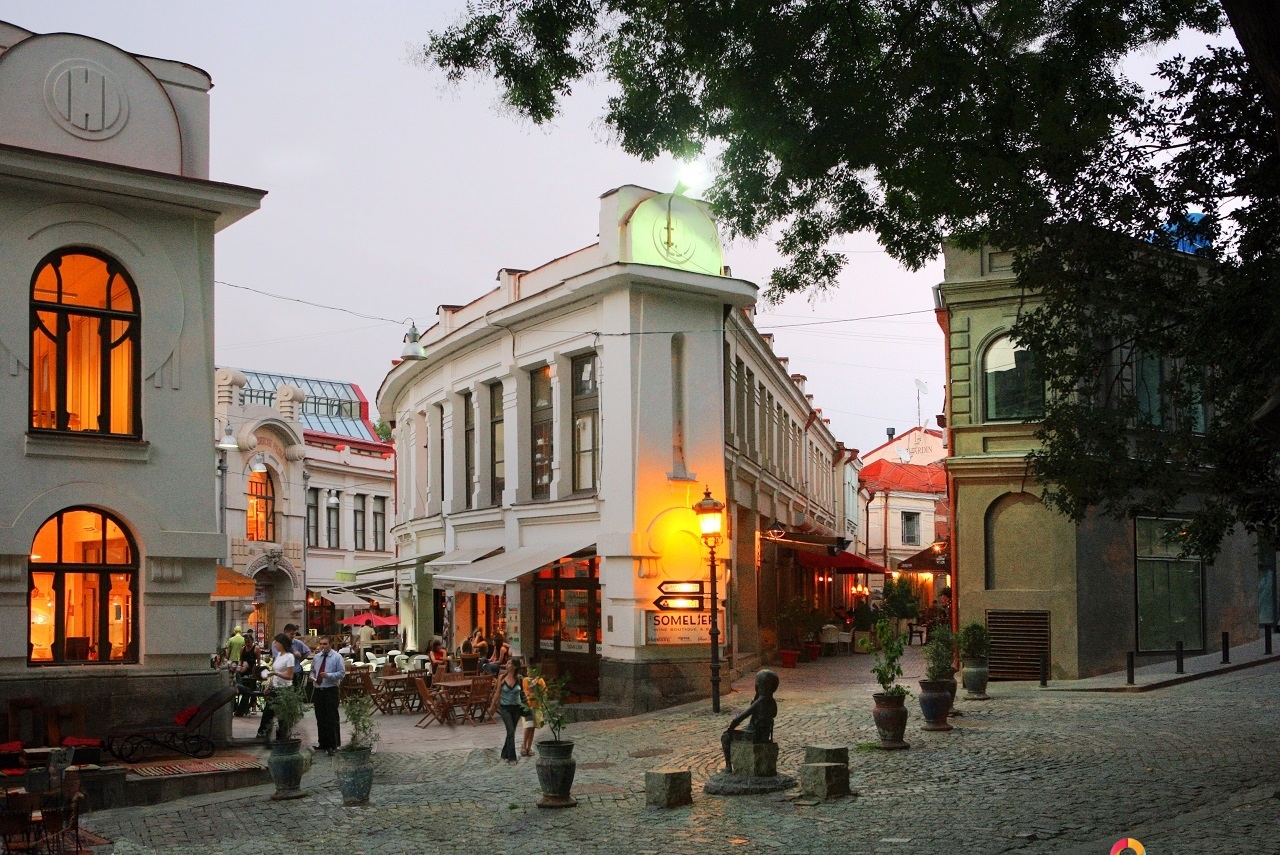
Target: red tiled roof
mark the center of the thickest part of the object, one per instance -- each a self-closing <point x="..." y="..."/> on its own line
<point x="912" y="478"/>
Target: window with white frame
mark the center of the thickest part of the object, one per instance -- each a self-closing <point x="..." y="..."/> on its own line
<point x="910" y="528"/>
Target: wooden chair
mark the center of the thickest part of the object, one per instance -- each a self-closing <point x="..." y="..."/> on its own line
<point x="470" y="663"/>
<point x="350" y="687"/>
<point x="435" y="704"/>
<point x="380" y="700"/>
<point x="915" y="630"/>
<point x="26" y="721"/>
<point x="476" y="706"/>
<point x="19" y="833"/>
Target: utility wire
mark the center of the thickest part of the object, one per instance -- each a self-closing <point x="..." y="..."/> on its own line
<point x="310" y="303"/>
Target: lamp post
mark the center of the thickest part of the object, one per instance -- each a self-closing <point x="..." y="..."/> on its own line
<point x="225" y="444"/>
<point x="710" y="521"/>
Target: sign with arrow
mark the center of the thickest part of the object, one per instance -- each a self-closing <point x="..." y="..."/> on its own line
<point x="681" y="596"/>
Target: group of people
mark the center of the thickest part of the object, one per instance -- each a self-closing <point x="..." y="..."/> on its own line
<point x="494" y="657"/>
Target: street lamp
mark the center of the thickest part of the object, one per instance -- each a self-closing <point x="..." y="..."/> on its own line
<point x="225" y="444"/>
<point x="710" y="522"/>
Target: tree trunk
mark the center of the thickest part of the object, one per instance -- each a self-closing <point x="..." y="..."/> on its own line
<point x="1257" y="27"/>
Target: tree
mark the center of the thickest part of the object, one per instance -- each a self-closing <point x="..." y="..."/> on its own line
<point x="1143" y="224"/>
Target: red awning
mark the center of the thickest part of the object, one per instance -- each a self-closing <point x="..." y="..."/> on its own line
<point x="841" y="562"/>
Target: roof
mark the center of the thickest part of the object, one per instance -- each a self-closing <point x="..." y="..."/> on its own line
<point x="905" y="477"/>
<point x="901" y="436"/>
<point x="333" y="407"/>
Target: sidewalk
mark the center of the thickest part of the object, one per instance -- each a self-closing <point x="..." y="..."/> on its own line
<point x="1162" y="674"/>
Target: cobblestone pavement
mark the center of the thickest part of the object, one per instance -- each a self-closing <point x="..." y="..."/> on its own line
<point x="1187" y="769"/>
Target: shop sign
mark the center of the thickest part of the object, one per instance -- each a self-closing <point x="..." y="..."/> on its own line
<point x="679" y="627"/>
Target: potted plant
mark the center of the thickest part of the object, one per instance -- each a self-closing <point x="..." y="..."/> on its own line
<point x="792" y="620"/>
<point x="354" y="766"/>
<point x="935" y="700"/>
<point x="544" y="703"/>
<point x="975" y="647"/>
<point x="286" y="763"/>
<point x="890" y="711"/>
<point x="944" y="633"/>
<point x="813" y="623"/>
<point x="900" y="602"/>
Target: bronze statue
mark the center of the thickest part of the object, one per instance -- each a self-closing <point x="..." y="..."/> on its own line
<point x="762" y="712"/>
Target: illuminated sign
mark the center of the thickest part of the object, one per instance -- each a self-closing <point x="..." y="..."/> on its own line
<point x="682" y="627"/>
<point x="681" y="596"/>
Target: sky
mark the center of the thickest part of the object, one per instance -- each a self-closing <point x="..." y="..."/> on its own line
<point x="391" y="193"/>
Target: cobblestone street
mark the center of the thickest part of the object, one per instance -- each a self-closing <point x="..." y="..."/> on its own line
<point x="1186" y="769"/>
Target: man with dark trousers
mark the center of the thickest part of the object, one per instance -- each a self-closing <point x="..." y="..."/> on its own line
<point x="327" y="671"/>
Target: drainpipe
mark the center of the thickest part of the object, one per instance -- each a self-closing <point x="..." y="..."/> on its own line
<point x="886" y="529"/>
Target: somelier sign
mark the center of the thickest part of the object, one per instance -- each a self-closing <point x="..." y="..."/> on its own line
<point x="679" y="627"/>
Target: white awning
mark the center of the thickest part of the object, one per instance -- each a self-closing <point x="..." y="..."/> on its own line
<point x="346" y="599"/>
<point x="491" y="575"/>
<point x="460" y="557"/>
<point x="350" y="574"/>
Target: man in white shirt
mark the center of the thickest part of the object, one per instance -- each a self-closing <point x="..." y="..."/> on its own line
<point x="364" y="636"/>
<point x="327" y="671"/>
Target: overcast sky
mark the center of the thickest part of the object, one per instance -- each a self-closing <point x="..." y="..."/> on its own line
<point x="390" y="194"/>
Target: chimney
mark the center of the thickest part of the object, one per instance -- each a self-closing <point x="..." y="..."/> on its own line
<point x="890" y="433"/>
<point x="799" y="380"/>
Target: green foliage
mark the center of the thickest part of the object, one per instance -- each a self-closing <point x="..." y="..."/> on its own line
<point x="888" y="667"/>
<point x="289" y="706"/>
<point x="900" y="598"/>
<point x="795" y="619"/>
<point x="974" y="641"/>
<point x="1008" y="123"/>
<point x="358" y="712"/>
<point x="863" y="618"/>
<point x="383" y="430"/>
<point x="939" y="654"/>
<point x="544" y="701"/>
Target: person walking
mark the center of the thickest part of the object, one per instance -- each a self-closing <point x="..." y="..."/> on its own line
<point x="234" y="645"/>
<point x="510" y="695"/>
<point x="301" y="653"/>
<point x="282" y="668"/>
<point x="327" y="671"/>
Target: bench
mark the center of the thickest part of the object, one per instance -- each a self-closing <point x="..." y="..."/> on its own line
<point x="129" y="742"/>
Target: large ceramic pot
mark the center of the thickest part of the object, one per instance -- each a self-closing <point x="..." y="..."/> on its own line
<point x="789" y="658"/>
<point x="934" y="704"/>
<point x="353" y="767"/>
<point x="974" y="676"/>
<point x="556" y="768"/>
<point x="951" y="693"/>
<point x="890" y="715"/>
<point x="287" y="765"/>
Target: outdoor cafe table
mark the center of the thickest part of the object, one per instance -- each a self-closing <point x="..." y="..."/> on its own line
<point x="459" y="689"/>
<point x="396" y="687"/>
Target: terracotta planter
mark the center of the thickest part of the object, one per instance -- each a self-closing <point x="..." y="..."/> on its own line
<point x="814" y="651"/>
<point x="353" y="768"/>
<point x="789" y="658"/>
<point x="556" y="768"/>
<point x="890" y="716"/>
<point x="934" y="704"/>
<point x="974" y="676"/>
<point x="287" y="766"/>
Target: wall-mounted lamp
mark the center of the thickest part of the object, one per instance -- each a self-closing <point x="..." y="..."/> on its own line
<point x="228" y="442"/>
<point x="259" y="465"/>
<point x="333" y="500"/>
<point x="413" y="349"/>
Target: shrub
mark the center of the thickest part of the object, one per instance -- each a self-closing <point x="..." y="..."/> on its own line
<point x="888" y="667"/>
<point x="975" y="641"/>
<point x="939" y="654"/>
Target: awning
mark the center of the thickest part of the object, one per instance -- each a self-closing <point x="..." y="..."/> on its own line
<point x="346" y="599"/>
<point x="232" y="586"/>
<point x="491" y="575"/>
<point x="351" y="574"/>
<point x="928" y="561"/>
<point x="841" y="562"/>
<point x="460" y="557"/>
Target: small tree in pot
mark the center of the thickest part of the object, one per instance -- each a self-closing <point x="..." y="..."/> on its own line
<point x="890" y="712"/>
<point x="544" y="703"/>
<point x="354" y="766"/>
<point x="975" y="647"/>
<point x="792" y="620"/>
<point x="935" y="698"/>
<point x="286" y="763"/>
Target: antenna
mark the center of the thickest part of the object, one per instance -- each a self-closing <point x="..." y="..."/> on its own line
<point x="922" y="388"/>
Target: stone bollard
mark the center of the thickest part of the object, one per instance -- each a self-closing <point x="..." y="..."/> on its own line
<point x="824" y="780"/>
<point x="668" y="788"/>
<point x="826" y="754"/>
<point x="757" y="759"/>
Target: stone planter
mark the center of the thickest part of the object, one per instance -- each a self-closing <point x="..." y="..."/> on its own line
<point x="934" y="704"/>
<point x="287" y="765"/>
<point x="556" y="768"/>
<point x="951" y="693"/>
<point x="890" y="716"/>
<point x="974" y="676"/>
<point x="814" y="651"/>
<point x="789" y="658"/>
<point x="353" y="767"/>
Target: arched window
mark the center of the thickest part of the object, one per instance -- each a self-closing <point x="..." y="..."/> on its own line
<point x="261" y="522"/>
<point x="83" y="584"/>
<point x="1014" y="386"/>
<point x="85" y="352"/>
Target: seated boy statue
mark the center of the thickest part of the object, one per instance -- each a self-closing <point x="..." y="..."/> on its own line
<point x="762" y="712"/>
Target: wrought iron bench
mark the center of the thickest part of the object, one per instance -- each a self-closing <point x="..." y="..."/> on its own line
<point x="128" y="742"/>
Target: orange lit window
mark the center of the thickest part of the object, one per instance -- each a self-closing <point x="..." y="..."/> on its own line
<point x="261" y="522"/>
<point x="85" y="353"/>
<point x="82" y="586"/>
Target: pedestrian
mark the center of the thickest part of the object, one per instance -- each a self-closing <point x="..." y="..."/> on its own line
<point x="327" y="672"/>
<point x="282" y="668"/>
<point x="234" y="645"/>
<point x="247" y="677"/>
<point x="363" y="638"/>
<point x="526" y="721"/>
<point x="301" y="653"/>
<point x="510" y="700"/>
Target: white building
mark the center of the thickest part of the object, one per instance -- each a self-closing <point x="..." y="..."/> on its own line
<point x="557" y="433"/>
<point x="108" y="522"/>
<point x="309" y="493"/>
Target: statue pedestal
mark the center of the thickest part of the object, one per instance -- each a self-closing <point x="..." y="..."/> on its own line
<point x="754" y="759"/>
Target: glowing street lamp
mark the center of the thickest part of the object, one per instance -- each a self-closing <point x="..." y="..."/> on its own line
<point x="710" y="522"/>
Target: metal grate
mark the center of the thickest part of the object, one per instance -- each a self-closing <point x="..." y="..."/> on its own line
<point x="1018" y="639"/>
